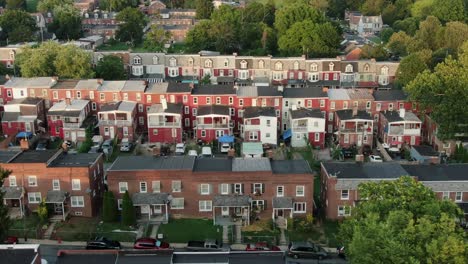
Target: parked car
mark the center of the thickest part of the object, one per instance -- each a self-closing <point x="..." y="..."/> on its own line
<point x="206" y="152"/>
<point x="126" y="145"/>
<point x="207" y="245"/>
<point x="261" y="246"/>
<point x="341" y="251"/>
<point x="10" y="240"/>
<point x="306" y="250"/>
<point x="193" y="153"/>
<point x="103" y="243"/>
<point x="150" y="243"/>
<point x="180" y="149"/>
<point x="107" y="147"/>
<point x="225" y="147"/>
<point x="375" y="158"/>
<point x="347" y="153"/>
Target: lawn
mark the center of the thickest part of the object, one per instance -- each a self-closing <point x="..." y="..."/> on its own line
<point x="76" y="229"/>
<point x="116" y="231"/>
<point x="116" y="46"/>
<point x="30" y="225"/>
<point x="183" y="230"/>
<point x="260" y="230"/>
<point x="326" y="233"/>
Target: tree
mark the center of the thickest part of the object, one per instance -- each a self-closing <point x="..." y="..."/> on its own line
<point x="15" y="4"/>
<point x="117" y="5"/>
<point x="410" y="66"/>
<point x="128" y="211"/>
<point x="453" y="35"/>
<point x="109" y="207"/>
<point x="403" y="217"/>
<point x="111" y="68"/>
<point x="4" y="218"/>
<point x="17" y="26"/>
<point x="156" y="38"/>
<point x="43" y="212"/>
<point x="377" y="52"/>
<point x="321" y="5"/>
<point x="372" y="7"/>
<point x="408" y="25"/>
<point x="444" y="93"/>
<point x="67" y="22"/>
<point x="204" y="9"/>
<point x="450" y="10"/>
<point x="131" y="27"/>
<point x="398" y="43"/>
<point x="49" y="5"/>
<point x="74" y="63"/>
<point x="200" y="37"/>
<point x="427" y="33"/>
<point x="422" y="8"/>
<point x="288" y="15"/>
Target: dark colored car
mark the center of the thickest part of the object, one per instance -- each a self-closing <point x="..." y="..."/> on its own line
<point x="347" y="153"/>
<point x="261" y="246"/>
<point x="10" y="240"/>
<point x="306" y="250"/>
<point x="103" y="243"/>
<point x="341" y="251"/>
<point x="150" y="243"/>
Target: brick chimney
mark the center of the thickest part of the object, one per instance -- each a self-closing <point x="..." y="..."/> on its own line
<point x="99" y="81"/>
<point x="24" y="144"/>
<point x="325" y="89"/>
<point x="67" y="101"/>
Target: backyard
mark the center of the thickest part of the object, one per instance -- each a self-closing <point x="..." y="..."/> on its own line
<point x="183" y="230"/>
<point x="324" y="233"/>
<point x="260" y="231"/>
<point x="25" y="227"/>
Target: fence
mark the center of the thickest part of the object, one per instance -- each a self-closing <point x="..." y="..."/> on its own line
<point x="124" y="236"/>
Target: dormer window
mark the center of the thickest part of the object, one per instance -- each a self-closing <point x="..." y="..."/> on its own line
<point x="190" y="61"/>
<point x="279" y="66"/>
<point x="384" y="70"/>
<point x="349" y="68"/>
<point x="226" y="63"/>
<point x="96" y="15"/>
<point x="173" y="62"/>
<point x="313" y="67"/>
<point x="296" y="65"/>
<point x="243" y="64"/>
<point x="105" y="15"/>
<point x="155" y="60"/>
<point x="261" y="64"/>
<point x="366" y="68"/>
<point x="86" y="15"/>
<point x="331" y="66"/>
<point x="137" y="60"/>
<point x="208" y="63"/>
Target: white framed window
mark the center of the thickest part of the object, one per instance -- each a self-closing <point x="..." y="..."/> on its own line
<point x="56" y="185"/>
<point x="137" y="60"/>
<point x="300" y="190"/>
<point x="187" y="122"/>
<point x="231" y="100"/>
<point x="194" y="111"/>
<point x="446" y="195"/>
<point x="177" y="203"/>
<point x="344" y="194"/>
<point x="345" y="105"/>
<point x="140" y="108"/>
<point x="123" y="187"/>
<point x="313" y="67"/>
<point x="317" y="137"/>
<point x="346" y="138"/>
<point x="330" y="116"/>
<point x="185" y="98"/>
<point x="76" y="184"/>
<point x="368" y="105"/>
<point x="141" y="120"/>
<point x="300" y="207"/>
<point x="218" y="100"/>
<point x="344" y="210"/>
<point x="459" y="197"/>
<point x="355" y="104"/>
<point x="195" y="100"/>
<point x="279" y="191"/>
<point x="224" y="188"/>
<point x="78" y="94"/>
<point x="378" y="106"/>
<point x="258" y="205"/>
<point x="208" y="100"/>
<point x="205" y="206"/>
<point x="12" y="180"/>
<point x="446" y="145"/>
<point x="155" y="132"/>
<point x="332" y="105"/>
<point x="253" y="135"/>
<point x="176" y="186"/>
<point x="77" y="201"/>
<point x="54" y="94"/>
<point x="156" y="186"/>
<point x="34" y="197"/>
<point x="186" y="110"/>
<point x="32" y="181"/>
<point x="102" y="96"/>
<point x="143" y="187"/>
<point x="309" y="103"/>
<point x="390" y="107"/>
<point x="205" y="189"/>
<point x="238" y="188"/>
<point x="119" y="204"/>
<point x="258" y="188"/>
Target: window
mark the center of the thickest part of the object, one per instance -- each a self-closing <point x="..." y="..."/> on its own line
<point x="77" y="201"/>
<point x="203" y="133"/>
<point x="34" y="197"/>
<point x="195" y="100"/>
<point x="208" y="100"/>
<point x="143" y="187"/>
<point x="54" y="94"/>
<point x="253" y="135"/>
<point x="205" y="206"/>
<point x="176" y="186"/>
<point x="187" y="122"/>
<point x="32" y="180"/>
<point x="384" y="70"/>
<point x="232" y="111"/>
<point x="355" y="104"/>
<point x="300" y="190"/>
<point x="241" y="102"/>
<point x="140" y="108"/>
<point x="208" y="63"/>
<point x="55" y="185"/>
<point x="378" y="106"/>
<point x="446" y="195"/>
<point x="349" y="68"/>
<point x="205" y="189"/>
<point x="155" y="132"/>
<point x="119" y="204"/>
<point x="346" y="138"/>
<point x="12" y="180"/>
<point x="300" y="207"/>
<point x="267" y="135"/>
<point x="137" y="60"/>
<point x="123" y="187"/>
<point x="317" y="137"/>
<point x="344" y="194"/>
<point x="313" y="67"/>
<point x="243" y="64"/>
<point x="258" y="188"/>
<point x="141" y="120"/>
<point x="238" y="188"/>
<point x="156" y="186"/>
<point x="331" y="66"/>
<point x="261" y="64"/>
<point x="366" y="68"/>
<point x="368" y="105"/>
<point x="344" y="210"/>
<point x="231" y="100"/>
<point x="258" y="204"/>
<point x="224" y="188"/>
<point x="345" y="105"/>
<point x="177" y="203"/>
<point x="279" y="66"/>
<point x="390" y="107"/>
<point x="102" y="96"/>
<point x="446" y="145"/>
<point x="76" y="184"/>
<point x="194" y="111"/>
<point x="458" y="196"/>
<point x="279" y="191"/>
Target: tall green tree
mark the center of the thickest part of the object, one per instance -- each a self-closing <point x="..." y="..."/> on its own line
<point x="204" y="8"/>
<point x="4" y="218"/>
<point x="131" y="27"/>
<point x="43" y="212"/>
<point x="156" y="38"/>
<point x="111" y="68"/>
<point x="15" y="4"/>
<point x="398" y="43"/>
<point x="67" y="22"/>
<point x="117" y="5"/>
<point x="403" y="217"/>
<point x="453" y="35"/>
<point x="428" y="31"/>
<point x="288" y="15"/>
<point x="128" y="211"/>
<point x="17" y="26"/>
<point x="73" y="63"/>
<point x="422" y="8"/>
<point x="408" y="25"/>
<point x="410" y="66"/>
<point x="450" y="10"/>
<point x="49" y="5"/>
<point x="376" y="52"/>
<point x="109" y="207"/>
<point x="200" y="37"/>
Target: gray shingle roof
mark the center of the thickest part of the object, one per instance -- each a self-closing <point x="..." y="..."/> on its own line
<point x="135" y="163"/>
<point x="149" y="198"/>
<point x="309" y="92"/>
<point x="427" y="151"/>
<point x="213" y="110"/>
<point x="251" y="112"/>
<point x="265" y="91"/>
<point x="354" y="170"/>
<point x="231" y="200"/>
<point x="282" y="202"/>
<point x="251" y="164"/>
<point x="26" y="100"/>
<point x="12" y="192"/>
<point x="394" y="116"/>
<point x="75" y="160"/>
<point x="10" y="116"/>
<point x="174" y="87"/>
<point x="213" y="164"/>
<point x="213" y="89"/>
<point x="304" y="113"/>
<point x="439" y="172"/>
<point x="55" y="196"/>
<point x="171" y="108"/>
<point x="34" y="156"/>
<point x="389" y="95"/>
<point x="348" y="114"/>
<point x="6" y="156"/>
<point x="290" y="166"/>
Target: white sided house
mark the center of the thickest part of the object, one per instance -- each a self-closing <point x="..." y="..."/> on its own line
<point x="307" y="125"/>
<point x="260" y="125"/>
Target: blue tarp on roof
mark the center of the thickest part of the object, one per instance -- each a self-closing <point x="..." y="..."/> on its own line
<point x="23" y="135"/>
<point x="226" y="139"/>
<point x="287" y="134"/>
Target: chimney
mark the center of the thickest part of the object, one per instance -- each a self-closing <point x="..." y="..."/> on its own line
<point x="234" y="54"/>
<point x="7" y="77"/>
<point x="67" y="101"/>
<point x="164" y="103"/>
<point x="24" y="144"/>
<point x="355" y="111"/>
<point x="280" y="88"/>
<point x="145" y="83"/>
<point x="325" y="89"/>
<point x="55" y="78"/>
<point x="99" y="81"/>
<point x="402" y="113"/>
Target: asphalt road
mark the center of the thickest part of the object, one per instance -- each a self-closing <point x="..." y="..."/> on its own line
<point x="49" y="252"/>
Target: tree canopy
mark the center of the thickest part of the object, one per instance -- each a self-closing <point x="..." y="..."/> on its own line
<point x="410" y="66"/>
<point x="131" y="27"/>
<point x="402" y="221"/>
<point x="109" y="207"/>
<point x="17" y="26"/>
<point x="204" y="9"/>
<point x="128" y="211"/>
<point x="117" y="5"/>
<point x="15" y="4"/>
<point x="156" y="38"/>
<point x="67" y="22"/>
<point x="111" y="68"/>
<point x="49" y="5"/>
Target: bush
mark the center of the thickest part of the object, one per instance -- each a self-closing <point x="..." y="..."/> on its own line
<point x="88" y="143"/>
<point x="109" y="207"/>
<point x="128" y="211"/>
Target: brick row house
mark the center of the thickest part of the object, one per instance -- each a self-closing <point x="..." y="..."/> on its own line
<point x="340" y="181"/>
<point x="354" y="128"/>
<point x="260" y="125"/>
<point x="70" y="184"/>
<point x="225" y="190"/>
<point x="118" y="120"/>
<point x="165" y="123"/>
<point x="24" y="115"/>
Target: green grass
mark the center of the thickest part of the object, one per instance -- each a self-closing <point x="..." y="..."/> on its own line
<point x="109" y="230"/>
<point x="26" y="226"/>
<point x="270" y="236"/>
<point x="331" y="229"/>
<point x="31" y="5"/>
<point x="304" y="236"/>
<point x="117" y="46"/>
<point x="183" y="230"/>
<point x="376" y="40"/>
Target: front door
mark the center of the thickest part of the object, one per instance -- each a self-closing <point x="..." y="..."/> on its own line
<point x="145" y="209"/>
<point x="280" y="212"/>
<point x="157" y="209"/>
<point x="359" y="140"/>
<point x="73" y="136"/>
<point x="58" y="208"/>
<point x="112" y="132"/>
<point x="225" y="211"/>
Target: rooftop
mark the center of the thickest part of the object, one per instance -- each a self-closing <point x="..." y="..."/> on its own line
<point x="394" y="116"/>
<point x="6" y="156"/>
<point x="290" y="167"/>
<point x="171" y="108"/>
<point x="368" y="170"/>
<point x="213" y="110"/>
<point x="306" y="113"/>
<point x="26" y="100"/>
<point x="37" y="82"/>
<point x="34" y="156"/>
<point x="439" y="172"/>
<point x="214" y="89"/>
<point x="75" y="160"/>
<point x="174" y="87"/>
<point x="360" y="94"/>
<point x="111" y="86"/>
<point x="348" y="115"/>
<point x="308" y="92"/>
<point x="75" y="105"/>
<point x="389" y="95"/>
<point x="66" y="84"/>
<point x="252" y="112"/>
<point x="338" y="94"/>
<point x="89" y="84"/>
<point x="124" y="106"/>
<point x="19" y="254"/>
<point x="136" y="163"/>
<point x="213" y="164"/>
<point x="138" y="86"/>
<point x="158" y="88"/>
<point x="251" y="164"/>
<point x="427" y="151"/>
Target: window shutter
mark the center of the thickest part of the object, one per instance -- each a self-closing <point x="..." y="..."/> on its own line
<point x="252" y="186"/>
<point x="220" y="188"/>
<point x="242" y="188"/>
<point x="263" y="188"/>
<point x="264" y="204"/>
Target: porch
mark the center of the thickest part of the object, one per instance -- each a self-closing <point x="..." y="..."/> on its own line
<point x="56" y="205"/>
<point x="13" y="198"/>
<point x="152" y="207"/>
<point x="282" y="209"/>
<point x="231" y="210"/>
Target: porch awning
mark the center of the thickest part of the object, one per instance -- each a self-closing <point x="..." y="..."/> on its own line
<point x="283" y="202"/>
<point x="56" y="196"/>
<point x="231" y="200"/>
<point x="287" y="134"/>
<point x="226" y="139"/>
<point x="149" y="198"/>
<point x="12" y="193"/>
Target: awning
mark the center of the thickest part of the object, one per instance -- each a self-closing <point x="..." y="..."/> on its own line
<point x="56" y="196"/>
<point x="23" y="135"/>
<point x="12" y="193"/>
<point x="226" y="139"/>
<point x="287" y="134"/>
<point x="283" y="202"/>
<point x="150" y="198"/>
<point x="231" y="200"/>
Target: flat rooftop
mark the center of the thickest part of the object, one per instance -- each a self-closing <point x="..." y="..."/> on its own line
<point x="75" y="160"/>
<point x="34" y="156"/>
<point x="6" y="156"/>
<point x="135" y="163"/>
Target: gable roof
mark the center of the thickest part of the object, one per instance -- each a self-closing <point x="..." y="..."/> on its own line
<point x="368" y="170"/>
<point x="118" y="106"/>
<point x="438" y="172"/>
<point x="347" y="114"/>
<point x="251" y="112"/>
<point x="308" y="92"/>
<point x="305" y="113"/>
<point x="213" y="89"/>
<point x="389" y="95"/>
